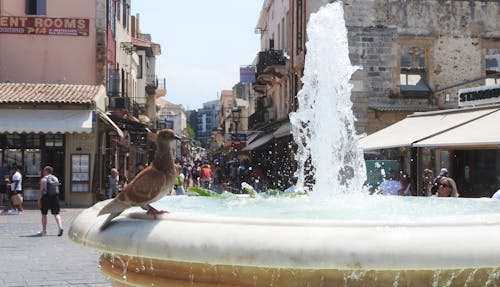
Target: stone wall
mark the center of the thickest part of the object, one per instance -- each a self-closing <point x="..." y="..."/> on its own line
<point x="452" y="33"/>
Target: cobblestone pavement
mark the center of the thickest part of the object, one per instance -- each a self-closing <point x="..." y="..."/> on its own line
<point x="30" y="260"/>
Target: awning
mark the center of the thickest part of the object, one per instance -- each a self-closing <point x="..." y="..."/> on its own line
<point x="45" y="121"/>
<point x="480" y="132"/>
<point x="420" y="126"/>
<point x="110" y="122"/>
<point x="258" y="142"/>
<point x="284" y="130"/>
<point x="252" y="137"/>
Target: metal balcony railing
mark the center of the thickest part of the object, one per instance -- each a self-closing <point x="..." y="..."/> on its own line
<point x="270" y="58"/>
<point x="257" y="119"/>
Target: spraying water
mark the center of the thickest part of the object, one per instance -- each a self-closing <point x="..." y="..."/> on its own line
<point x="323" y="126"/>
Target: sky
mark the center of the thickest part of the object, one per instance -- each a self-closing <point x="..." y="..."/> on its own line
<point x="203" y="44"/>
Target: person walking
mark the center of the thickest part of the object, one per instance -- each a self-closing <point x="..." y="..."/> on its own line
<point x="206" y="176"/>
<point x="179" y="181"/>
<point x="48" y="198"/>
<point x="113" y="183"/>
<point x="4" y="174"/>
<point x="16" y="189"/>
<point x="186" y="170"/>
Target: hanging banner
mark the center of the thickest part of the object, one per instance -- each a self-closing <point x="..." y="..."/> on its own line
<point x="44" y="26"/>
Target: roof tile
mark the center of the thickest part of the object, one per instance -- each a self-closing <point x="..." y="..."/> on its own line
<point x="24" y="93"/>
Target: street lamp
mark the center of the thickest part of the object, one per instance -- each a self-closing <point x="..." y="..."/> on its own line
<point x="236" y="115"/>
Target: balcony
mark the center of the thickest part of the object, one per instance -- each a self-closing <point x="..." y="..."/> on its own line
<point x="257" y="119"/>
<point x="271" y="63"/>
<point x="119" y="103"/>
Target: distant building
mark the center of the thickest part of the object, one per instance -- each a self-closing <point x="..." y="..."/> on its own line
<point x="172" y="116"/>
<point x="207" y="122"/>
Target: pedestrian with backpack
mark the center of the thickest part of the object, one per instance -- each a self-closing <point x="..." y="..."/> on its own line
<point x="48" y="198"/>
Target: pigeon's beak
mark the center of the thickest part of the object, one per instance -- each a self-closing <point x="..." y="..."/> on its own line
<point x="177" y="137"/>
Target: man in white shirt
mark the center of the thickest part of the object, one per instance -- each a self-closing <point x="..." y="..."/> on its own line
<point x="16" y="188"/>
<point x="390" y="186"/>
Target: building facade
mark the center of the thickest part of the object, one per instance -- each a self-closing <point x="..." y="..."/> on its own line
<point x="172" y="116"/>
<point x="206" y="123"/>
<point x="412" y="58"/>
<point x="67" y="59"/>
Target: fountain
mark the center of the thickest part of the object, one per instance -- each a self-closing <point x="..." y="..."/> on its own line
<point x="336" y="236"/>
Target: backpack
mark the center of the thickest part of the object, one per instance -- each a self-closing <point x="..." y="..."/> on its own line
<point x="52" y="186"/>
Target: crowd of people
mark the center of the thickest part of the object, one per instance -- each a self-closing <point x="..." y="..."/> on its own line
<point x="218" y="175"/>
<point x="400" y="184"/>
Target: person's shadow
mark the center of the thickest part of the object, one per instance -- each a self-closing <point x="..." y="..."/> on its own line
<point x="38" y="234"/>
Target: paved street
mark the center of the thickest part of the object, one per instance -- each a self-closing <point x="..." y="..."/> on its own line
<point x="31" y="260"/>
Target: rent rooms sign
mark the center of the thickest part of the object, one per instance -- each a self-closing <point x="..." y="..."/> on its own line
<point x="44" y="26"/>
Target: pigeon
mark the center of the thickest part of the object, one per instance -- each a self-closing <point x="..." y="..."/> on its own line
<point x="150" y="185"/>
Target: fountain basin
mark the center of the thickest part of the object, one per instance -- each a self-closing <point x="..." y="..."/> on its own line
<point x="189" y="249"/>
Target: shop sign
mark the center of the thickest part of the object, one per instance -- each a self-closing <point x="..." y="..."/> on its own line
<point x="44" y="26"/>
<point x="479" y="95"/>
<point x="238" y="141"/>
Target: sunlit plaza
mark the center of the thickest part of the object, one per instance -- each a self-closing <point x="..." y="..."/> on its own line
<point x="357" y="147"/>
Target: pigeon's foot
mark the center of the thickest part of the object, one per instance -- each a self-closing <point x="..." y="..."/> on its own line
<point x="153" y="211"/>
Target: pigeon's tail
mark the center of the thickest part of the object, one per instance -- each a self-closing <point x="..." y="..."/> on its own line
<point x="113" y="206"/>
<point x="113" y="209"/>
<point x="107" y="222"/>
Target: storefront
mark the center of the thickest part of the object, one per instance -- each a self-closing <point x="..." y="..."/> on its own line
<point x="58" y="125"/>
<point x="134" y="151"/>
<point x="465" y="140"/>
<point x="272" y="149"/>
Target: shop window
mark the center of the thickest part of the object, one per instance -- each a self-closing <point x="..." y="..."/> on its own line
<point x="299" y="29"/>
<point x="36" y="7"/>
<point x="413" y="73"/>
<point x="117" y="7"/>
<point x="80" y="172"/>
<point x="138" y="139"/>
<point x="140" y="68"/>
<point x="492" y="65"/>
<point x="13" y="157"/>
<point x="125" y="15"/>
<point x="13" y="141"/>
<point x="54" y="140"/>
<point x="32" y="141"/>
<point x="32" y="162"/>
<point x="169" y="124"/>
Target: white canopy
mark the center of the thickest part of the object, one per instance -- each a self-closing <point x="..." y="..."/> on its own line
<point x="45" y="121"/>
<point x="421" y="126"/>
<point x="482" y="131"/>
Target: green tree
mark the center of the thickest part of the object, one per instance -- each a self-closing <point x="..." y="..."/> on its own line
<point x="190" y="132"/>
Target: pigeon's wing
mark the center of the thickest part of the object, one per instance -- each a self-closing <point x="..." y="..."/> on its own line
<point x="144" y="188"/>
